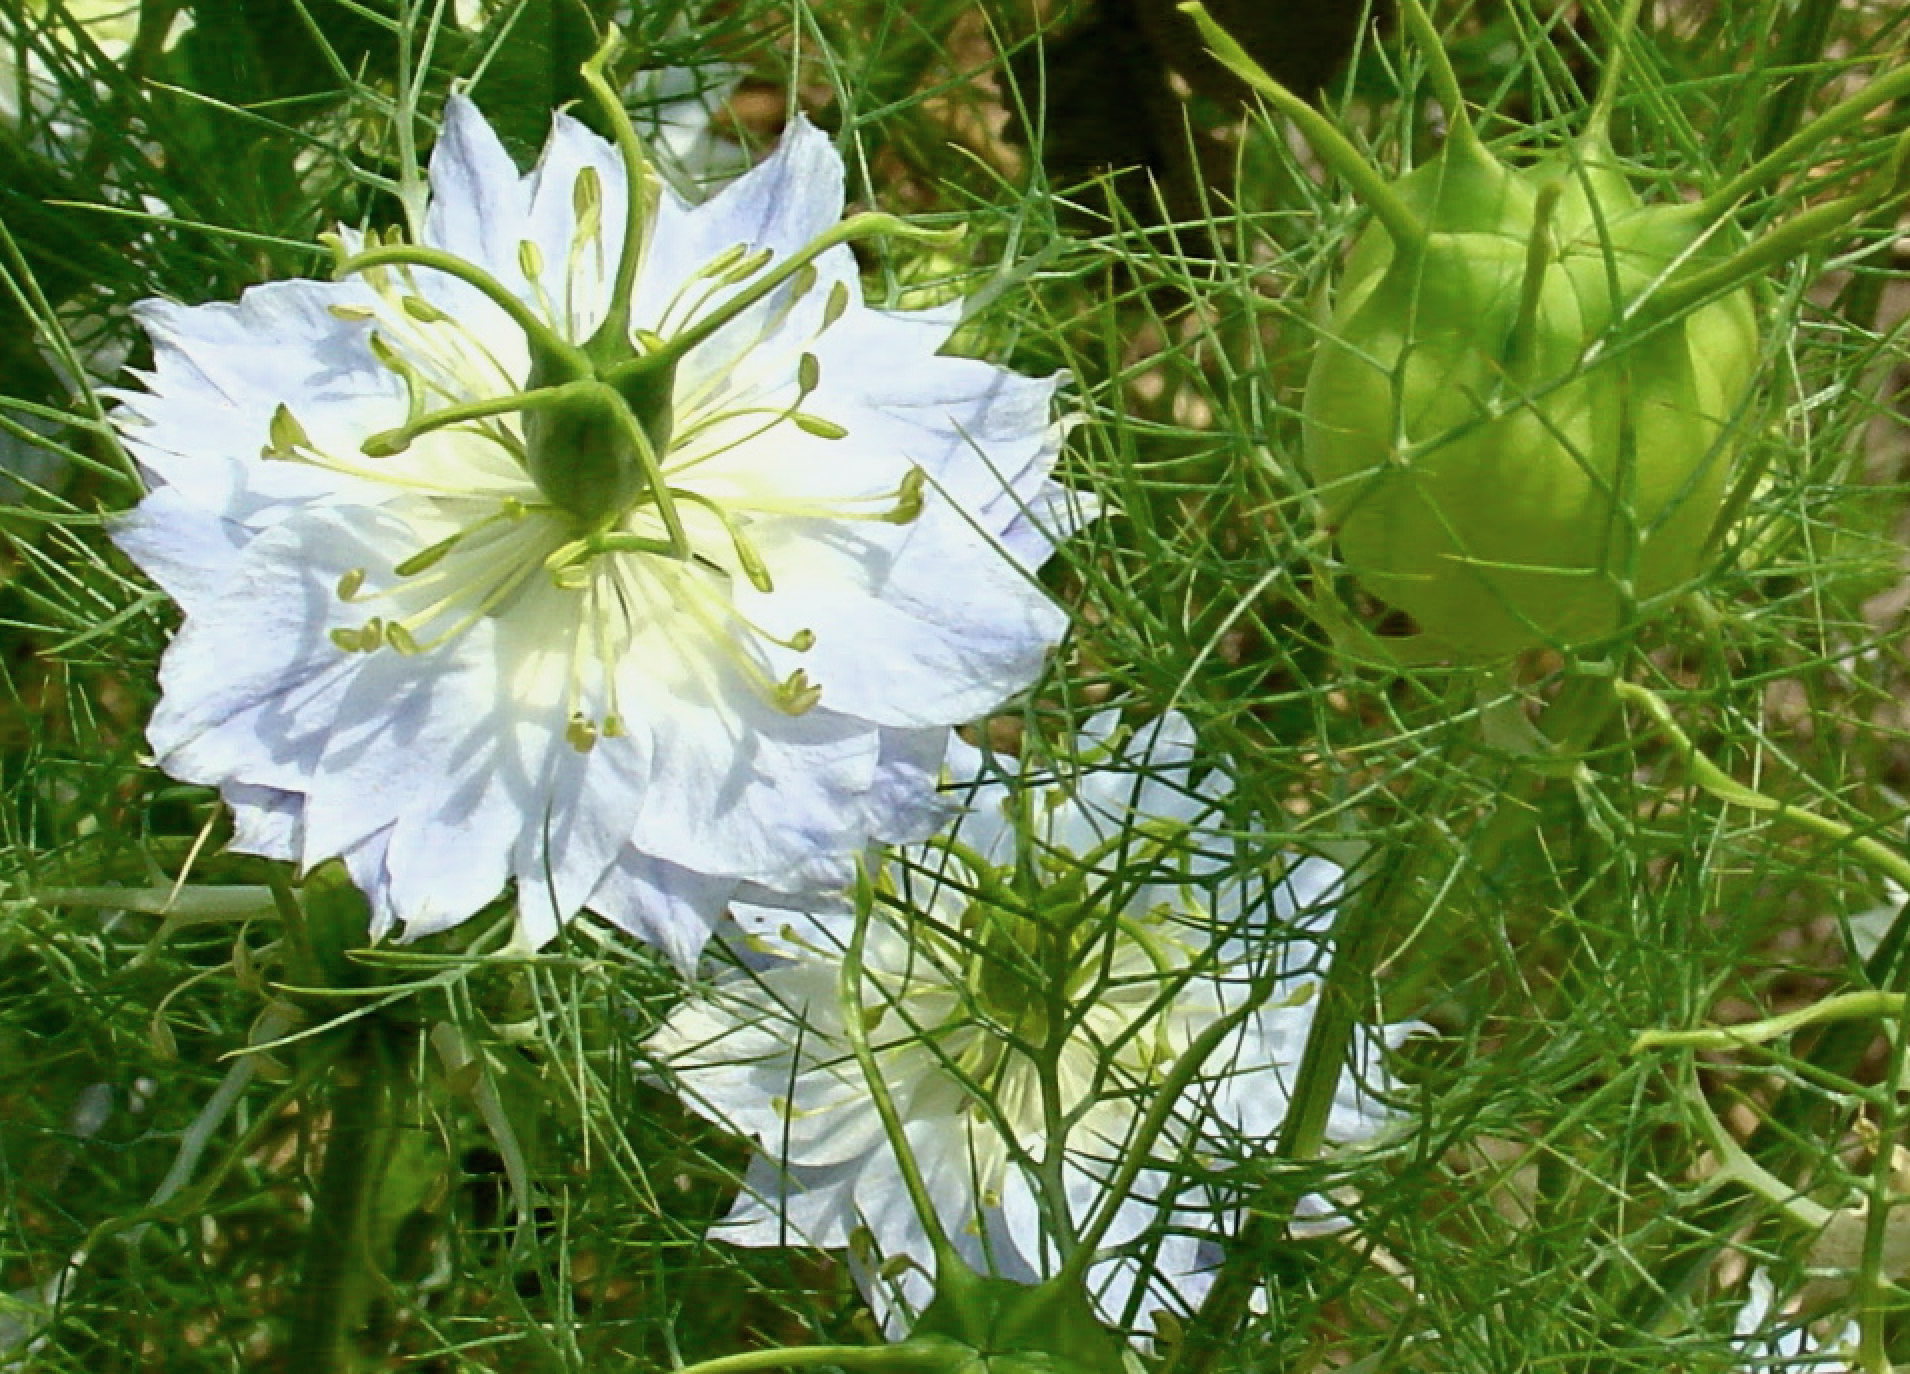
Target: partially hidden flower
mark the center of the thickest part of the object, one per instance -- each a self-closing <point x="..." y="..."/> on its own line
<point x="601" y="544"/>
<point x="44" y="46"/>
<point x="675" y="109"/>
<point x="1028" y="983"/>
<point x="37" y="27"/>
<point x="1795" y="1349"/>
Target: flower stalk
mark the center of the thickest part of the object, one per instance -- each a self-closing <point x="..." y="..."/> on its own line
<point x="337" y="1275"/>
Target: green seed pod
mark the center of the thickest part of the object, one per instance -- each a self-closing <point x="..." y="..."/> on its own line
<point x="1500" y="454"/>
<point x="1521" y="416"/>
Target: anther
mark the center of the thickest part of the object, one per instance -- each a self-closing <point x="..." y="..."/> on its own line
<point x="430" y="556"/>
<point x="422" y="310"/>
<point x="796" y="695"/>
<point x="817" y="426"/>
<point x="837" y="303"/>
<point x="587" y="201"/>
<point x="723" y="261"/>
<point x="748" y="267"/>
<point x="400" y="639"/>
<point x="908" y="498"/>
<point x="285" y="437"/>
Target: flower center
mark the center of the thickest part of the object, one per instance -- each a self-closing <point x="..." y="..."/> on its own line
<point x="583" y="473"/>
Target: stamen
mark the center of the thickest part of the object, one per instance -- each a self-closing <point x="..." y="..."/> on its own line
<point x="587" y="202"/>
<point x="407" y="372"/>
<point x="609" y="652"/>
<point x="752" y="562"/>
<point x="747" y="268"/>
<point x="400" y="640"/>
<point x="530" y="261"/>
<point x="477" y="584"/>
<point x="909" y="498"/>
<point x="817" y="426"/>
<point x="722" y="262"/>
<point x="795" y="695"/>
<point x="791" y="268"/>
<point x="586" y="199"/>
<point x="837" y="303"/>
<point x="422" y="310"/>
<point x="286" y="439"/>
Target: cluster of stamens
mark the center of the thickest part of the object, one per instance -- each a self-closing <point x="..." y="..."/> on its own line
<point x="603" y="433"/>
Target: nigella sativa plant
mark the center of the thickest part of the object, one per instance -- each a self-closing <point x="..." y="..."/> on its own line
<point x="594" y="541"/>
<point x="1028" y="985"/>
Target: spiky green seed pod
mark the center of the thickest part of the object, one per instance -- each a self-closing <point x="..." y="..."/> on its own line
<point x="1521" y="417"/>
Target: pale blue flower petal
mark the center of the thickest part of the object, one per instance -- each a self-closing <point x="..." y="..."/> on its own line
<point x="385" y="659"/>
<point x="762" y="1049"/>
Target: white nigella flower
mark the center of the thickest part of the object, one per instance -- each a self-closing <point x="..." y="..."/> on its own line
<point x="606" y="545"/>
<point x="43" y="43"/>
<point x="1791" y="1351"/>
<point x="1080" y="919"/>
<point x="38" y="26"/>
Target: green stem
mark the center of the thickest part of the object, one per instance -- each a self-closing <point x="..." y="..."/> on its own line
<point x="1522" y="347"/>
<point x="1445" y="80"/>
<point x="1847" y="1006"/>
<point x="1599" y="122"/>
<point x="855" y="1029"/>
<point x="389" y="442"/>
<point x="1662" y="1298"/>
<point x="1686" y="292"/>
<point x="1736" y="1166"/>
<point x="612" y="339"/>
<point x="1576" y="718"/>
<point x="1359" y="937"/>
<point x="1796" y="150"/>
<point x="1332" y="146"/>
<point x="1842" y="1045"/>
<point x="1168" y="1095"/>
<point x="1799" y="53"/>
<point x="335" y="1278"/>
<point x="1727" y="789"/>
<point x="414" y="192"/>
<point x="561" y="353"/>
<point x="1875" y="1273"/>
<point x="652" y="463"/>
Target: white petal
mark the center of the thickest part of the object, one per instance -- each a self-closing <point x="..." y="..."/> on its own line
<point x="192" y="552"/>
<point x="478" y="200"/>
<point x="265" y="821"/>
<point x="672" y="907"/>
<point x="577" y="273"/>
<point x="782" y="204"/>
<point x="222" y="370"/>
